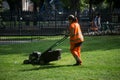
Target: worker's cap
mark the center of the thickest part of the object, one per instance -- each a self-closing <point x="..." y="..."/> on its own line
<point x="71" y="17"/>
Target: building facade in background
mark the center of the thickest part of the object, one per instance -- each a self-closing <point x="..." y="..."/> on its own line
<point x="27" y="5"/>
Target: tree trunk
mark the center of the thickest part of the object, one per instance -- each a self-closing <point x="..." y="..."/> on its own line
<point x="15" y="6"/>
<point x="35" y="14"/>
<point x="90" y="10"/>
<point x="75" y="6"/>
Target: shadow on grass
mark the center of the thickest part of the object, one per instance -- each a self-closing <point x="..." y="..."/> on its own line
<point x="91" y="43"/>
<point x="49" y="66"/>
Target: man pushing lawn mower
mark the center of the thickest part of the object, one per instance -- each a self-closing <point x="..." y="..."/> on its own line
<point x="76" y="39"/>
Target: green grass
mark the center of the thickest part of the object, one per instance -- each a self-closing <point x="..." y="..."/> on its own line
<point x="100" y="55"/>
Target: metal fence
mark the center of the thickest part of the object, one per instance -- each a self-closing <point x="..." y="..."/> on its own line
<point x="28" y="23"/>
<point x="52" y="23"/>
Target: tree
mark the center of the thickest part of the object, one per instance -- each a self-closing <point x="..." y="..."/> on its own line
<point x="72" y="5"/>
<point x="15" y="5"/>
<point x="0" y="5"/>
<point x="37" y="4"/>
<point x="113" y="4"/>
<point x="66" y="4"/>
<point x="91" y="4"/>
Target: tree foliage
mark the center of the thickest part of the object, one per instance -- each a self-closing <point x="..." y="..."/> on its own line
<point x="113" y="3"/>
<point x="0" y="5"/>
<point x="36" y="3"/>
<point x="74" y="5"/>
<point x="15" y="5"/>
<point x="67" y="4"/>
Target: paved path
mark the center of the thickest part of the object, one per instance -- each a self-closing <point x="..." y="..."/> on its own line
<point x="14" y="42"/>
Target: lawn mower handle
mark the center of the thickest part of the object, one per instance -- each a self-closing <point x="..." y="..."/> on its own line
<point x="56" y="43"/>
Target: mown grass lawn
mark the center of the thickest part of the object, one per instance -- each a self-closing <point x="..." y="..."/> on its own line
<point x="100" y="55"/>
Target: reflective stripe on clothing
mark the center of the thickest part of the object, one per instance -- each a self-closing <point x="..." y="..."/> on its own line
<point x="76" y="40"/>
<point x="75" y="33"/>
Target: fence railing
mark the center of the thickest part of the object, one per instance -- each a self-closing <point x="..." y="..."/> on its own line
<point x="32" y="24"/>
<point x="29" y="23"/>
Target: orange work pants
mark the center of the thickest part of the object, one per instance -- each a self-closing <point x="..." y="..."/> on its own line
<point x="76" y="51"/>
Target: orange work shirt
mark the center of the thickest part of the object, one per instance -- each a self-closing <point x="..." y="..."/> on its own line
<point x="75" y="33"/>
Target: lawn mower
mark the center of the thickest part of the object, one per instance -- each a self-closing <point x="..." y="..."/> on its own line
<point x="38" y="58"/>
